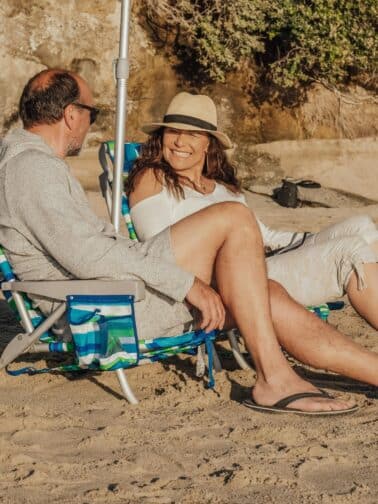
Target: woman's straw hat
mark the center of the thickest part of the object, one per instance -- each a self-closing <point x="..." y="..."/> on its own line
<point x="191" y="112"/>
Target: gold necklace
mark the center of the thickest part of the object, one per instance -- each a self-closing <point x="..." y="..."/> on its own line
<point x="199" y="184"/>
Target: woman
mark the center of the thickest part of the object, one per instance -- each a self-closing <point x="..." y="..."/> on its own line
<point x="171" y="167"/>
<point x="184" y="168"/>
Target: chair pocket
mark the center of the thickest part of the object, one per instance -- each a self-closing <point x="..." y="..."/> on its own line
<point x="103" y="331"/>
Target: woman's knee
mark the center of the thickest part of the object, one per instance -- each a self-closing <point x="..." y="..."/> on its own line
<point x="214" y="219"/>
<point x="234" y="209"/>
<point x="234" y="215"/>
<point x="277" y="291"/>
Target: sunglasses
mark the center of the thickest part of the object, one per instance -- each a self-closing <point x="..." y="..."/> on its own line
<point x="93" y="111"/>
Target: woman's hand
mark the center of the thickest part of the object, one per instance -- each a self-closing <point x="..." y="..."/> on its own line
<point x="208" y="302"/>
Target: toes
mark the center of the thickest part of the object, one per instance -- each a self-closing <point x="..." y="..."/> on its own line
<point x="321" y="404"/>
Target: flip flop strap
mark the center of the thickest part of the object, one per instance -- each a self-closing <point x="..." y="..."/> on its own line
<point x="310" y="184"/>
<point x="294" y="397"/>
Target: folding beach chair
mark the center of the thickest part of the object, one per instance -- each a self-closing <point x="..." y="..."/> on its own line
<point x="102" y="322"/>
<point x="131" y="152"/>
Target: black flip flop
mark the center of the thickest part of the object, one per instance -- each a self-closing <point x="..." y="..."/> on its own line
<point x="281" y="406"/>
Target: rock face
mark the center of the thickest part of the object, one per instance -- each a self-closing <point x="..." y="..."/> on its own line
<point x="82" y="35"/>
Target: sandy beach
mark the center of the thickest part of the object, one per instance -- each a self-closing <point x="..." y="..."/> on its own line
<point x="75" y="440"/>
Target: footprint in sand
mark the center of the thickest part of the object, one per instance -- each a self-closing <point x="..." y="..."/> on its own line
<point x="332" y="475"/>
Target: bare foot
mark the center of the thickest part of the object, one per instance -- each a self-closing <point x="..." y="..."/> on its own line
<point x="269" y="393"/>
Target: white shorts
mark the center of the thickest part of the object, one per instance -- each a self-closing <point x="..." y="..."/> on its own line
<point x="319" y="270"/>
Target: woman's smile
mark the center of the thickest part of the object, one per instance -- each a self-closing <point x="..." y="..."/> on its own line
<point x="181" y="154"/>
<point x="185" y="150"/>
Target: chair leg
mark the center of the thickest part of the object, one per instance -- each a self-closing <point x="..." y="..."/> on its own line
<point x="20" y="343"/>
<point x="200" y="361"/>
<point x="236" y="350"/>
<point x="216" y="360"/>
<point x="200" y="364"/>
<point x="126" y="389"/>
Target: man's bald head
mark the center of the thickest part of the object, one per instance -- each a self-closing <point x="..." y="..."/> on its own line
<point x="46" y="95"/>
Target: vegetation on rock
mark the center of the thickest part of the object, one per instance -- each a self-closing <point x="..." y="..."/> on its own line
<point x="288" y="43"/>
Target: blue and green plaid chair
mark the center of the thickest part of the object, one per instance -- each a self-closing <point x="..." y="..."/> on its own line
<point x="104" y="335"/>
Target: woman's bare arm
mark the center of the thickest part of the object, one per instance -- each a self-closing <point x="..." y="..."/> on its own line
<point x="146" y="185"/>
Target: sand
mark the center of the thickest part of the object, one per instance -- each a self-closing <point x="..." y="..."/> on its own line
<point x="75" y="440"/>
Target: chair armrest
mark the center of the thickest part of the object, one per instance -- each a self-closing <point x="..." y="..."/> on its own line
<point x="62" y="288"/>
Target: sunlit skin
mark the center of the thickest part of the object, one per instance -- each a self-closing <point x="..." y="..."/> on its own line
<point x="80" y="127"/>
<point x="186" y="151"/>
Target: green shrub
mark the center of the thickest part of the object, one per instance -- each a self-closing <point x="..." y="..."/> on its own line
<point x="289" y="42"/>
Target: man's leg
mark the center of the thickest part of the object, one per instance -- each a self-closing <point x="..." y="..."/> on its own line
<point x="374" y="247"/>
<point x="365" y="301"/>
<point x="225" y="239"/>
<point x="314" y="342"/>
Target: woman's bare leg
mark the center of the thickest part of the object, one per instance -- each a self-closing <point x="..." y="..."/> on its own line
<point x="365" y="301"/>
<point x="314" y="342"/>
<point x="225" y="239"/>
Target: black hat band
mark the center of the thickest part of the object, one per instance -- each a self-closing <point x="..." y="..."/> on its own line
<point x="191" y="121"/>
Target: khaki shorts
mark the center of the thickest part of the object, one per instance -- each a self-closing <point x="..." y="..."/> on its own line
<point x="158" y="315"/>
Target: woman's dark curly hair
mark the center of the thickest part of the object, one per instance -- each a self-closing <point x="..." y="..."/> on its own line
<point x="217" y="166"/>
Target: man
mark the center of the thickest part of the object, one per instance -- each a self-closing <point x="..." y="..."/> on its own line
<point x="50" y="233"/>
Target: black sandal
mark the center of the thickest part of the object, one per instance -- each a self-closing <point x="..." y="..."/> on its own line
<point x="281" y="405"/>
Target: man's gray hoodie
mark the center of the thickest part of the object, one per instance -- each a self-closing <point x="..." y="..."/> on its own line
<point x="49" y="231"/>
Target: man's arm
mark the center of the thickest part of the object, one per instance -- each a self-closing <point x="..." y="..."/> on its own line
<point x="67" y="230"/>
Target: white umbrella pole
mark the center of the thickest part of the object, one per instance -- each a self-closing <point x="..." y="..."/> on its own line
<point x="122" y="74"/>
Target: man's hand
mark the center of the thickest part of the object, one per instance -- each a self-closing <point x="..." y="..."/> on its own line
<point x="208" y="302"/>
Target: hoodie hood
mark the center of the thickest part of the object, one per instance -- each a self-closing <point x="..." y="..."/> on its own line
<point x="18" y="141"/>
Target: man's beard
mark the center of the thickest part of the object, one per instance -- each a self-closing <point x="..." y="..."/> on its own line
<point x="73" y="149"/>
